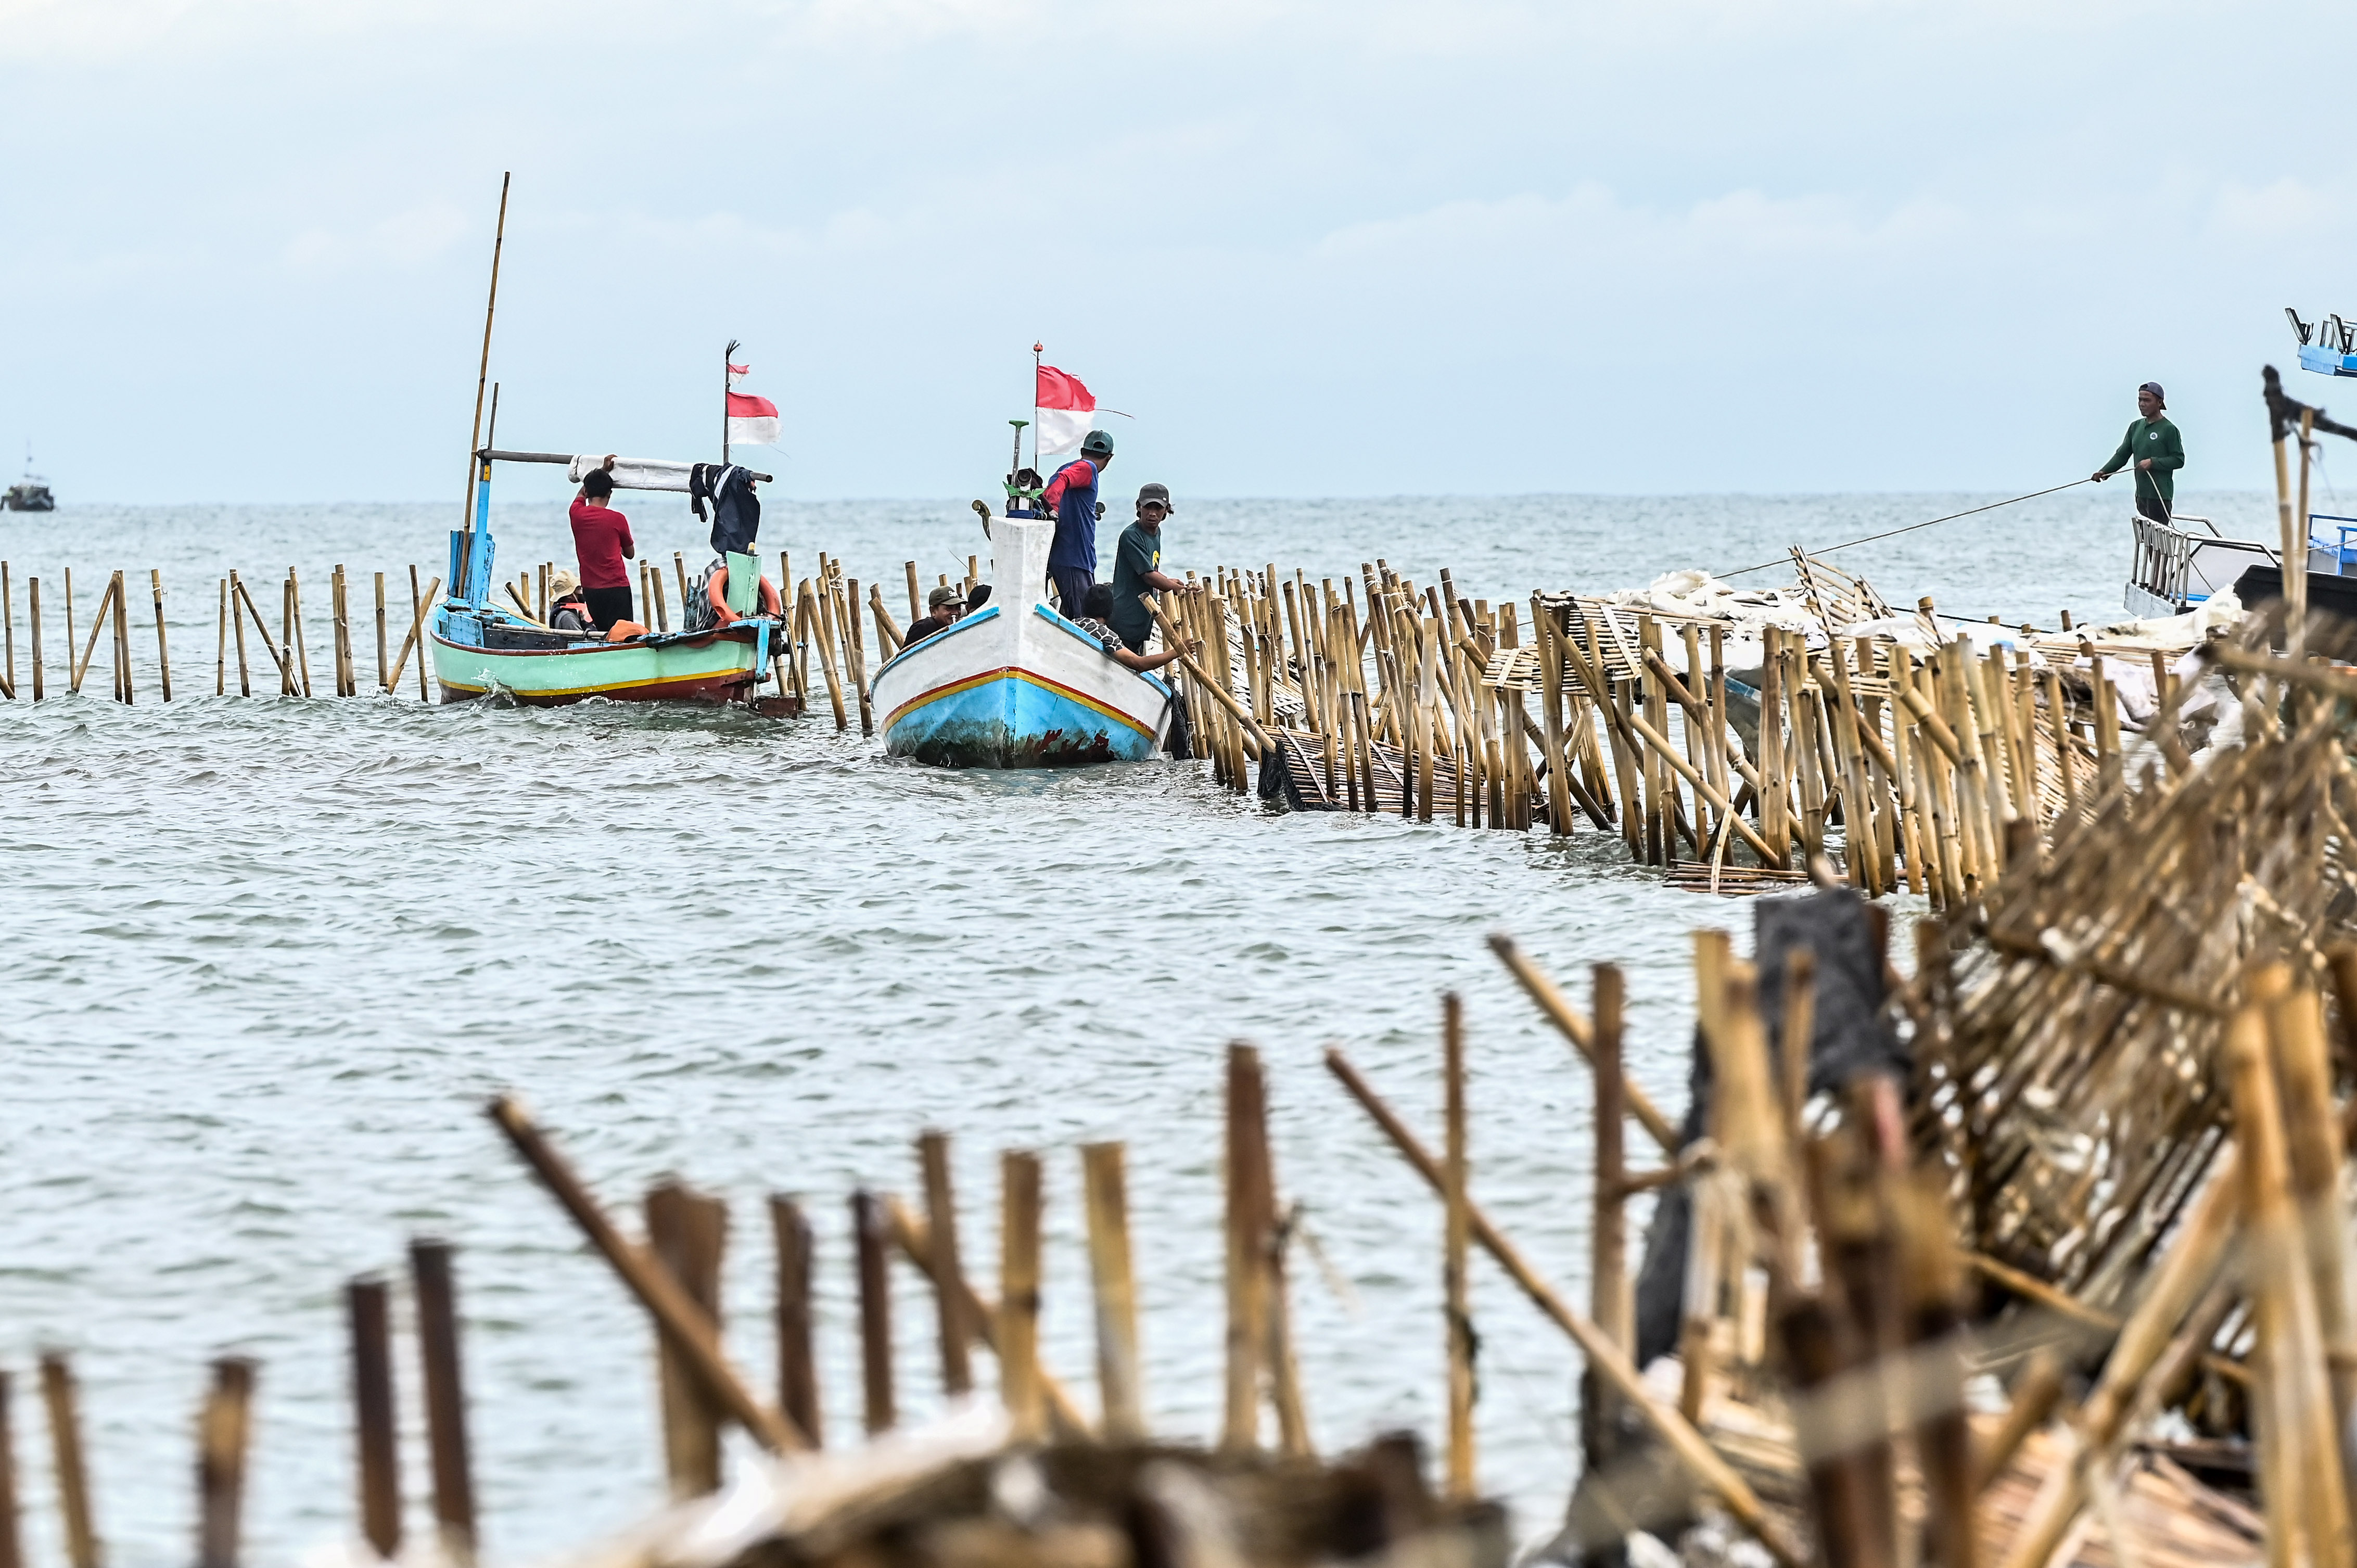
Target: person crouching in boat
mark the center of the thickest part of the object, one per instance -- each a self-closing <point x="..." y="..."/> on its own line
<point x="707" y="606"/>
<point x="943" y="605"/>
<point x="1071" y="499"/>
<point x="1092" y="621"/>
<point x="569" y="610"/>
<point x="601" y="538"/>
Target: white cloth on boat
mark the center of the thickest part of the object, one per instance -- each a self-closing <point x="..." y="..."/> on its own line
<point x="2219" y="610"/>
<point x="634" y="473"/>
<point x="1694" y="592"/>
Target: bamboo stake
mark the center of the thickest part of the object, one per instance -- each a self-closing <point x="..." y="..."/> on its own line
<point x="1691" y="1448"/>
<point x="8" y="632"/>
<point x="797" y="1366"/>
<point x="12" y="1544"/>
<point x="2313" y="1143"/>
<point x="657" y="1291"/>
<point x="73" y="683"/>
<point x="916" y="598"/>
<point x="58" y="1395"/>
<point x="1120" y="1366"/>
<point x="879" y="1411"/>
<point x="1458" y="1318"/>
<point x="1249" y="1206"/>
<point x="33" y="613"/>
<point x="1019" y="1297"/>
<point x="122" y="639"/>
<point x="163" y="654"/>
<point x="1610" y="1303"/>
<point x="679" y="565"/>
<point x="434" y="1285"/>
<point x="417" y="634"/>
<point x="383" y="682"/>
<point x="222" y="1432"/>
<point x="295" y="633"/>
<point x="686" y="1236"/>
<point x="941" y="1225"/>
<point x="812" y="617"/>
<point x="378" y="1439"/>
<point x="79" y="668"/>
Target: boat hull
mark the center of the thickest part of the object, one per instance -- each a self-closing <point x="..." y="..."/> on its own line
<point x="718" y="667"/>
<point x="1017" y="688"/>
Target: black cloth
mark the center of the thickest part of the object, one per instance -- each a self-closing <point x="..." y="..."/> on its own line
<point x="736" y="510"/>
<point x="2153" y="507"/>
<point x="1072" y="585"/>
<point x="607" y="606"/>
<point x="922" y="628"/>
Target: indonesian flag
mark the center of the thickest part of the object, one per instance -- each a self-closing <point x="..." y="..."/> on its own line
<point x="752" y="421"/>
<point x="1066" y="409"/>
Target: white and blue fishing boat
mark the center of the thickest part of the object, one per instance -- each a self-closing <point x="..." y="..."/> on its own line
<point x="1015" y="684"/>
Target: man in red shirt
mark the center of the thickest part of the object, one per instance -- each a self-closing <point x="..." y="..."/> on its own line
<point x="601" y="537"/>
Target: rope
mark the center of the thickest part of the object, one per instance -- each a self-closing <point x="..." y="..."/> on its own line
<point x="1910" y="528"/>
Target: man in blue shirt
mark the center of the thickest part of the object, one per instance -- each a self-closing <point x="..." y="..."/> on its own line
<point x="1072" y="498"/>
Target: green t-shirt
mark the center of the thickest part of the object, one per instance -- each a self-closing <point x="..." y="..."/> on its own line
<point x="1140" y="551"/>
<point x="2159" y="440"/>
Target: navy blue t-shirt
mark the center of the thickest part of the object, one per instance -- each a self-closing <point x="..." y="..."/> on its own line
<point x="1072" y="493"/>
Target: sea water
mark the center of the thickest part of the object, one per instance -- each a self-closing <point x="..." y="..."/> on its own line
<point x="264" y="960"/>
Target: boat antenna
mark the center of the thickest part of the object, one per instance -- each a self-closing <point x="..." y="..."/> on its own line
<point x="727" y="361"/>
<point x="1015" y="474"/>
<point x="492" y="436"/>
<point x="483" y="369"/>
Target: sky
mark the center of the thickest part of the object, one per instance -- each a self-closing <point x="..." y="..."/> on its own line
<point x="1312" y="247"/>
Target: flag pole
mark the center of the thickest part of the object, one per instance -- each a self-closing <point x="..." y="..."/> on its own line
<point x="727" y="359"/>
<point x="1037" y="349"/>
<point x="483" y="370"/>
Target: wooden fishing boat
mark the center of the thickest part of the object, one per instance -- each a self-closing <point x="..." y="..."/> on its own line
<point x="1016" y="684"/>
<point x="480" y="647"/>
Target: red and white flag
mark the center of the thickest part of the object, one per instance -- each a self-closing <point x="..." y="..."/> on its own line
<point x="1066" y="410"/>
<point x="752" y="421"/>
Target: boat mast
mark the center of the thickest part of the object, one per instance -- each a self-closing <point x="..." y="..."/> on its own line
<point x="483" y="370"/>
<point x="727" y="360"/>
<point x="1037" y="349"/>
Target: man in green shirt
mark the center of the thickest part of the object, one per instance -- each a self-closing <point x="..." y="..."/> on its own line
<point x="1137" y="569"/>
<point x="2157" y="451"/>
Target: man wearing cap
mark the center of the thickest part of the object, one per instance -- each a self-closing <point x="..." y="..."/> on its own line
<point x="942" y="607"/>
<point x="2159" y="451"/>
<point x="1137" y="569"/>
<point x="1071" y="499"/>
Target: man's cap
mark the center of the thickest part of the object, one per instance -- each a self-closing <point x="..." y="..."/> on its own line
<point x="943" y="596"/>
<point x="1098" y="445"/>
<point x="1156" y="492"/>
<point x="2154" y="387"/>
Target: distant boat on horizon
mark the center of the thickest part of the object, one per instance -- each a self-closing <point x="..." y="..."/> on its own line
<point x="32" y="494"/>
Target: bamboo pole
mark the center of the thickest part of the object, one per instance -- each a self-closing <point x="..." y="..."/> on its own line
<point x="163" y="654"/>
<point x="797" y="1366"/>
<point x="1456" y="1313"/>
<point x="878" y="1410"/>
<point x="222" y="1429"/>
<point x="1250" y="1210"/>
<point x="1692" y="1450"/>
<point x="1019" y="1297"/>
<point x="2313" y="1143"/>
<point x="811" y="617"/>
<point x="1064" y="1418"/>
<point x="33" y="614"/>
<point x="12" y="1543"/>
<point x="854" y="653"/>
<point x="417" y="634"/>
<point x="434" y="1286"/>
<point x="122" y="639"/>
<point x="377" y="1445"/>
<point x="656" y="1288"/>
<point x="58" y="1393"/>
<point x="1120" y="1366"/>
<point x="941" y="1227"/>
<point x="383" y="682"/>
<point x="686" y="1236"/>
<point x="1609" y="1302"/>
<point x="8" y="633"/>
<point x="294" y="632"/>
<point x="73" y="681"/>
<point x="79" y="668"/>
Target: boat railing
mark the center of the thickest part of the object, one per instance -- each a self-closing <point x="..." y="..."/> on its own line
<point x="2164" y="558"/>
